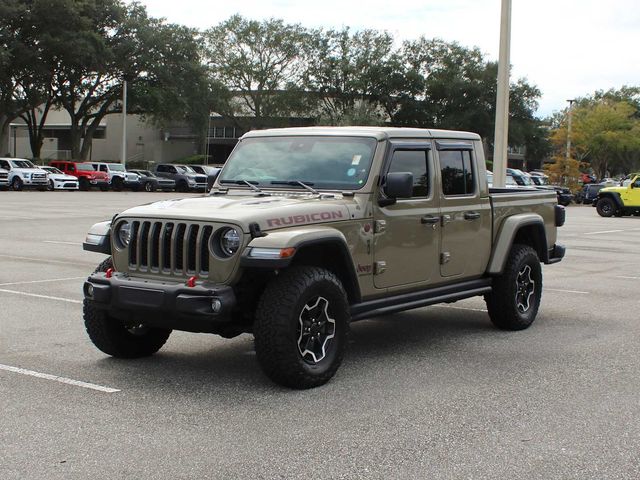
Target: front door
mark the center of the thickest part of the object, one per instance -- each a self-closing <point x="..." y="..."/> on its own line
<point x="465" y="211"/>
<point x="407" y="239"/>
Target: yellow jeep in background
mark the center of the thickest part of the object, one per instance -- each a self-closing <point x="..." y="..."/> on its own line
<point x="619" y="201"/>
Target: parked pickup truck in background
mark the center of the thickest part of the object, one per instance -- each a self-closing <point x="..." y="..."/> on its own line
<point x="24" y="174"/>
<point x="309" y="229"/>
<point x="185" y="177"/>
<point x="4" y="178"/>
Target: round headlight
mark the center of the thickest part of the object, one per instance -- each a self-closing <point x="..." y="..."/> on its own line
<point x="124" y="233"/>
<point x="230" y="241"/>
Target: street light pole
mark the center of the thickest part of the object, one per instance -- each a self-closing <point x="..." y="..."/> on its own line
<point x="124" y="124"/>
<point x="501" y="135"/>
<point x="569" y="128"/>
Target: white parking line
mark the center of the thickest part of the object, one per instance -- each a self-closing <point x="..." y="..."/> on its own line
<point x="56" y="378"/>
<point x="629" y="278"/>
<point x="603" y="231"/>
<point x="42" y="260"/>
<point x="61" y="243"/>
<point x="41" y="281"/>
<point x="47" y="297"/>
<point x="566" y="291"/>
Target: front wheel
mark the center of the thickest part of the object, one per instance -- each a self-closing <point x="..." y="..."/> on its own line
<point x="17" y="184"/>
<point x="117" y="339"/>
<point x="515" y="297"/>
<point x="149" y="187"/>
<point x="605" y="207"/>
<point x="117" y="184"/>
<point x="301" y="327"/>
<point x="50" y="186"/>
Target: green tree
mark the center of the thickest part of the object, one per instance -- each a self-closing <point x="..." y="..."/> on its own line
<point x="261" y="65"/>
<point x="605" y="133"/>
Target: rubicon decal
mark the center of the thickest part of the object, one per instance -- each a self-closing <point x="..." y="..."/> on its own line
<point x="307" y="218"/>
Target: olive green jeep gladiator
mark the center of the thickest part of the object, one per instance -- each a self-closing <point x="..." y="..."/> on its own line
<point x="309" y="229"/>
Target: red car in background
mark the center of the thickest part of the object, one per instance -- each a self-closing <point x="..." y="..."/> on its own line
<point x="87" y="175"/>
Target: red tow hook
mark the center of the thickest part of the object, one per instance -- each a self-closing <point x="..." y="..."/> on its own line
<point x="109" y="273"/>
<point x="192" y="281"/>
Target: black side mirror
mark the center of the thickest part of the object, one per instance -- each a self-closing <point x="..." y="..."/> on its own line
<point x="399" y="185"/>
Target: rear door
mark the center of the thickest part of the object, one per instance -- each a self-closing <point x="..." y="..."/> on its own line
<point x="406" y="233"/>
<point x="466" y="213"/>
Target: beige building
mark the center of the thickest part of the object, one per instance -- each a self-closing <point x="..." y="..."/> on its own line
<point x="145" y="141"/>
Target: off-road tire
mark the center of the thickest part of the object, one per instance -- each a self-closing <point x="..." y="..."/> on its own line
<point x="606" y="207"/>
<point x="16" y="184"/>
<point x="114" y="338"/>
<point x="278" y="324"/>
<point x="117" y="184"/>
<point x="503" y="301"/>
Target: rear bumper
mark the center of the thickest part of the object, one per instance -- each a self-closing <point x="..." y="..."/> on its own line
<point x="159" y="304"/>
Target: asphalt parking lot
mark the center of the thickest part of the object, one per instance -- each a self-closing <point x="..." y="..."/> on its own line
<point x="432" y="393"/>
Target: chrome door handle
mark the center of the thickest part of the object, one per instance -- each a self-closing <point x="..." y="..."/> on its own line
<point x="471" y="215"/>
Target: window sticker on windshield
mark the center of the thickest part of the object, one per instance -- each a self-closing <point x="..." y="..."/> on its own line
<point x="351" y="172"/>
<point x="356" y="160"/>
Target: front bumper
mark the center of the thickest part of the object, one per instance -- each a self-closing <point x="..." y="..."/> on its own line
<point x="161" y="304"/>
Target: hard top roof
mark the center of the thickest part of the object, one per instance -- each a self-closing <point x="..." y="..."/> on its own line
<point x="381" y="133"/>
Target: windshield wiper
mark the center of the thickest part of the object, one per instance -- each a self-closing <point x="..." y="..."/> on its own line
<point x="250" y="183"/>
<point x="306" y="185"/>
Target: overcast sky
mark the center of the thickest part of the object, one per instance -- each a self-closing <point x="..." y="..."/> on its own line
<point x="568" y="48"/>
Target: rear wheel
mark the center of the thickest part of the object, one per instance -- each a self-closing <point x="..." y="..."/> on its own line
<point x="301" y="327"/>
<point x="115" y="338"/>
<point x="606" y="207"/>
<point x="515" y="297"/>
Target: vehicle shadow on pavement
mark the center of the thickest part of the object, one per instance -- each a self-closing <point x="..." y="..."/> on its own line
<point x="218" y="366"/>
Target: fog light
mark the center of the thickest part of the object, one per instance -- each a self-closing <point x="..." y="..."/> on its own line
<point x="90" y="290"/>
<point x="216" y="305"/>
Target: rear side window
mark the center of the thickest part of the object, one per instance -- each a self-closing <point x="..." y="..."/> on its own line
<point x="414" y="161"/>
<point x="458" y="177"/>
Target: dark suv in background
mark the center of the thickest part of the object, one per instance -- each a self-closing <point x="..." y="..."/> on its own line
<point x="589" y="193"/>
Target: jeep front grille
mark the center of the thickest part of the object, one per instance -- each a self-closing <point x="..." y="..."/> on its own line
<point x="170" y="247"/>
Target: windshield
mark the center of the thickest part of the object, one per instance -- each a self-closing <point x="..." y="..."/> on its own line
<point x="184" y="169"/>
<point x="52" y="170"/>
<point x="116" y="167"/>
<point x="22" y="164"/>
<point x="540" y="180"/>
<point x="323" y="162"/>
<point x="85" y="167"/>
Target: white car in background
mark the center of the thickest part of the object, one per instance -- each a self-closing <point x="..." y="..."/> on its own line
<point x="59" y="180"/>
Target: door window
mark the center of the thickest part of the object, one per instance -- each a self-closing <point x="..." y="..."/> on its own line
<point x="415" y="162"/>
<point x="457" y="173"/>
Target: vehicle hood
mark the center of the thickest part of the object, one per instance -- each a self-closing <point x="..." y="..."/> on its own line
<point x="270" y="212"/>
<point x="28" y="170"/>
<point x="62" y="177"/>
<point x="613" y="189"/>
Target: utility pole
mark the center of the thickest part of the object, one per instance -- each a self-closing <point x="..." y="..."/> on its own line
<point x="569" y="128"/>
<point x="124" y="124"/>
<point x="501" y="135"/>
